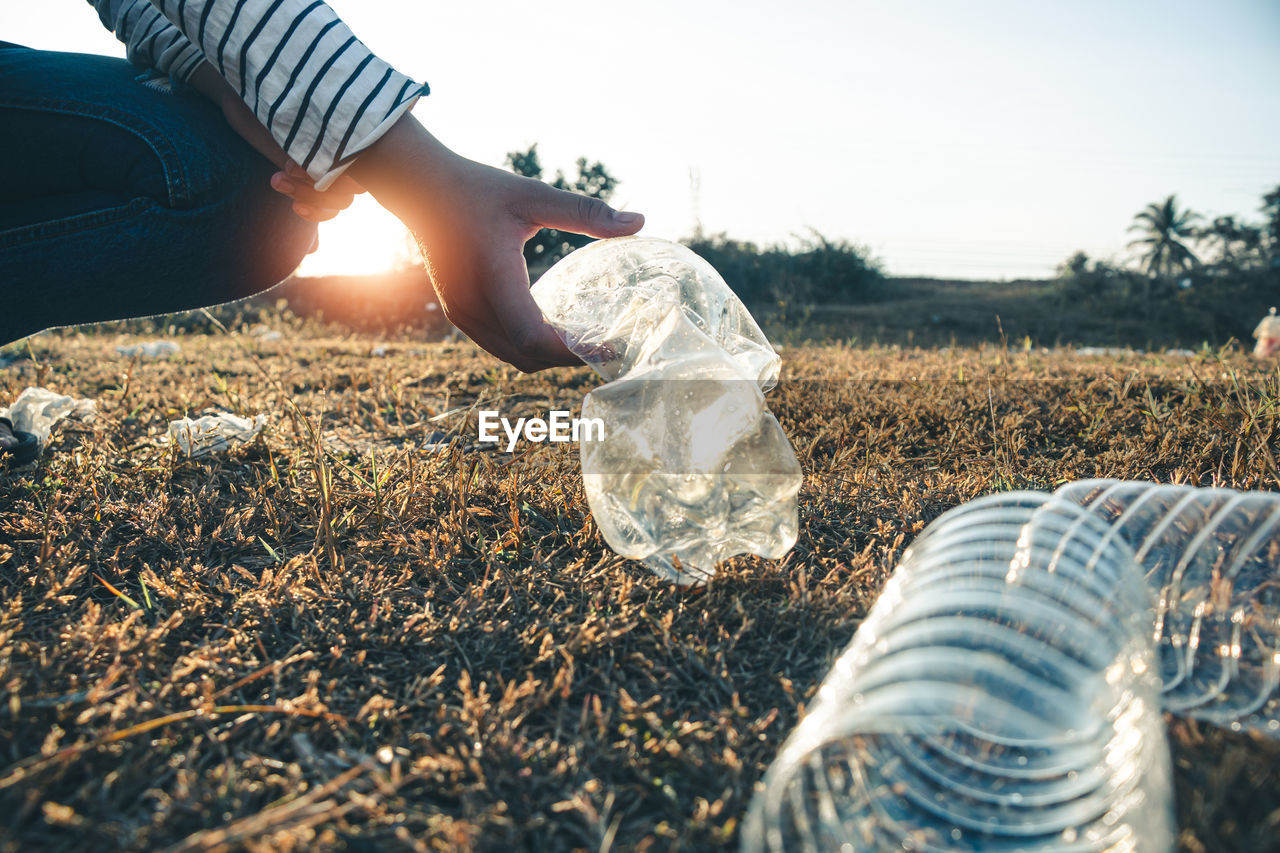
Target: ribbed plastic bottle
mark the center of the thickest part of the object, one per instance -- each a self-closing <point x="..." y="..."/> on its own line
<point x="1001" y="695"/>
<point x="1212" y="560"/>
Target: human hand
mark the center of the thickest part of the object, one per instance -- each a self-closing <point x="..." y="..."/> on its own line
<point x="472" y="222"/>
<point x="293" y="181"/>
<point x="309" y="202"/>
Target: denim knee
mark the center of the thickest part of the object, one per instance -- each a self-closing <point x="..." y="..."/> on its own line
<point x="262" y="241"/>
<point x="150" y="203"/>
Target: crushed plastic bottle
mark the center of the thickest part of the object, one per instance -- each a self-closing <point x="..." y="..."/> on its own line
<point x="1001" y="695"/>
<point x="1212" y="560"/>
<point x="692" y="468"/>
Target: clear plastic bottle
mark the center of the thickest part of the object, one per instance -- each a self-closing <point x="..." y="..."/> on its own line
<point x="692" y="468"/>
<point x="1001" y="695"/>
<point x="1211" y="558"/>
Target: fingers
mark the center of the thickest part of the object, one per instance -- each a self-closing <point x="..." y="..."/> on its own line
<point x="314" y="214"/>
<point x="496" y="341"/>
<point x="310" y="203"/>
<point x="520" y="317"/>
<point x="345" y="183"/>
<point x="495" y="309"/>
<point x="566" y="211"/>
<point x="307" y="194"/>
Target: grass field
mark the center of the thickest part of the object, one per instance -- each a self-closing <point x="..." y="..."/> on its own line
<point x="336" y="639"/>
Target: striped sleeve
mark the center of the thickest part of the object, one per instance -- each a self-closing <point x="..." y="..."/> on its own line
<point x="149" y="39"/>
<point x="319" y="91"/>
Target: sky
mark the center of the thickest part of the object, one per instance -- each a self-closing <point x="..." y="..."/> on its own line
<point x="977" y="139"/>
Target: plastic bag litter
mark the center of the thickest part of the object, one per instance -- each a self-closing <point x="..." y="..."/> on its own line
<point x="1268" y="335"/>
<point x="1107" y="351"/>
<point x="150" y="349"/>
<point x="214" y="433"/>
<point x="37" y="410"/>
<point x="692" y="467"/>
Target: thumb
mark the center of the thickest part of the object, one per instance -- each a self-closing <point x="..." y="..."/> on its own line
<point x="566" y="211"/>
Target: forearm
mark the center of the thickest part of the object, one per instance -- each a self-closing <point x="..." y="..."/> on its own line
<point x="406" y="169"/>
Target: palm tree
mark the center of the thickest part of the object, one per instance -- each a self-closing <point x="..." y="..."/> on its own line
<point x="1165" y="228"/>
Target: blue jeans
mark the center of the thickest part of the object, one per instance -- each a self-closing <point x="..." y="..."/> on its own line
<point x="123" y="198"/>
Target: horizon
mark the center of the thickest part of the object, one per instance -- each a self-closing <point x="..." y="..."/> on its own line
<point x="990" y="144"/>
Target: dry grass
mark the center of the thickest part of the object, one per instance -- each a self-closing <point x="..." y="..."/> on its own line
<point x="334" y="639"/>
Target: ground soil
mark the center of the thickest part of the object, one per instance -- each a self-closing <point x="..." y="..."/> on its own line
<point x="359" y="632"/>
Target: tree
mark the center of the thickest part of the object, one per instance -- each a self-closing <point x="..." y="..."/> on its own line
<point x="1166" y="228"/>
<point x="1075" y="266"/>
<point x="1230" y="243"/>
<point x="549" y="245"/>
<point x="1237" y="274"/>
<point x="1099" y="284"/>
<point x="820" y="270"/>
<point x="1271" y="228"/>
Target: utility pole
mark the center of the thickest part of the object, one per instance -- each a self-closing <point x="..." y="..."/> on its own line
<point x="695" y="196"/>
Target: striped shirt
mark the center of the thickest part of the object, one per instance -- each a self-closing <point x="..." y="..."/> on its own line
<point x="319" y="91"/>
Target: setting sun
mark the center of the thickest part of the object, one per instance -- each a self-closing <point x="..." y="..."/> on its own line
<point x="362" y="240"/>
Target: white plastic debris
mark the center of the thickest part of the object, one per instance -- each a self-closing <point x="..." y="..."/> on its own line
<point x="1107" y="351"/>
<point x="214" y="433"/>
<point x="1268" y="335"/>
<point x="692" y="467"/>
<point x="263" y="333"/>
<point x="380" y="351"/>
<point x="150" y="349"/>
<point x="37" y="410"/>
